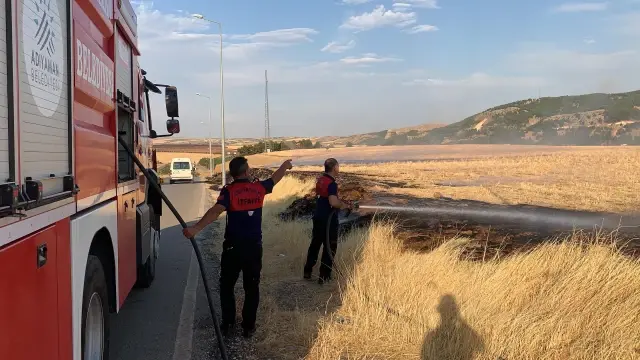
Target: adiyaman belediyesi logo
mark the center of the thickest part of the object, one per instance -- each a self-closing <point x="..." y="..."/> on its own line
<point x="43" y="52"/>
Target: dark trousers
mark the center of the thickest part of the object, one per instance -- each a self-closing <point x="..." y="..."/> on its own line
<point x="248" y="259"/>
<point x="318" y="238"/>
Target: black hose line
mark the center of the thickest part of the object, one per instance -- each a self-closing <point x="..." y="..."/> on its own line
<point x="196" y="248"/>
<point x="327" y="240"/>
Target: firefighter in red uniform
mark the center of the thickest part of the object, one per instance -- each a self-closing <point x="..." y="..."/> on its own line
<point x="242" y="246"/>
<point x="326" y="201"/>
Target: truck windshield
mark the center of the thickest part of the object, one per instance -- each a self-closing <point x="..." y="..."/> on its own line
<point x="181" y="165"/>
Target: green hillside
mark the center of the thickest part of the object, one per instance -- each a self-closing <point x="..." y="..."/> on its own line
<point x="593" y="119"/>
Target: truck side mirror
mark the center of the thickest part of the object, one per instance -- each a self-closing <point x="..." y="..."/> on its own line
<point x="171" y="101"/>
<point x="173" y="126"/>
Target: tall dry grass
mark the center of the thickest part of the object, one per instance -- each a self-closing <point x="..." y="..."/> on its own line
<point x="563" y="301"/>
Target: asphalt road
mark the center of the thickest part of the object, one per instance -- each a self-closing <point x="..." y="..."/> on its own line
<point x="158" y="323"/>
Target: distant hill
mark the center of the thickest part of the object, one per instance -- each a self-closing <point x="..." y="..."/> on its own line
<point x="592" y="119"/>
<point x="384" y="137"/>
<point x="400" y="136"/>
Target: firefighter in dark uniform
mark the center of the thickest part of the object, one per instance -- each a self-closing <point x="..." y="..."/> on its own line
<point x="242" y="246"/>
<point x="326" y="201"/>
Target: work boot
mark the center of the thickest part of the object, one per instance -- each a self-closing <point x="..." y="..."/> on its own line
<point x="247" y="333"/>
<point x="324" y="279"/>
<point x="226" y="328"/>
<point x="307" y="275"/>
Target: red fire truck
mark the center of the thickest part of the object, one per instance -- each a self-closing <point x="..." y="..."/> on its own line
<point x="79" y="225"/>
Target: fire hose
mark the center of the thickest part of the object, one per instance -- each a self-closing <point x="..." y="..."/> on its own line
<point x="196" y="248"/>
<point x="334" y="214"/>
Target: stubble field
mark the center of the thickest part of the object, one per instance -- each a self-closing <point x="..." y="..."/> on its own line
<point x="462" y="287"/>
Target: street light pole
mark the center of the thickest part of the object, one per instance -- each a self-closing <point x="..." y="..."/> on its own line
<point x="211" y="162"/>
<point x="223" y="135"/>
<point x="224" y="149"/>
<point x="210" y="155"/>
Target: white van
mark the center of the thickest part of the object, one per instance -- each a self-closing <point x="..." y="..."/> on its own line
<point x="181" y="170"/>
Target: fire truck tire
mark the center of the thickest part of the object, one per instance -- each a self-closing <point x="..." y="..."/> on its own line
<point x="95" y="312"/>
<point x="148" y="273"/>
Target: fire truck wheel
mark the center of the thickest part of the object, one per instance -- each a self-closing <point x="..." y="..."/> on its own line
<point x="148" y="273"/>
<point x="95" y="312"/>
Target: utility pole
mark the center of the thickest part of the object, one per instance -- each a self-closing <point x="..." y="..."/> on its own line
<point x="222" y="135"/>
<point x="267" y="131"/>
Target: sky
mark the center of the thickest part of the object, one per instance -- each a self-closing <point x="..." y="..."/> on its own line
<point x="341" y="67"/>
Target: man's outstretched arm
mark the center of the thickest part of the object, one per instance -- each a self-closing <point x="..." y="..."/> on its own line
<point x="210" y="216"/>
<point x="333" y="198"/>
<point x="279" y="174"/>
<point x="337" y="203"/>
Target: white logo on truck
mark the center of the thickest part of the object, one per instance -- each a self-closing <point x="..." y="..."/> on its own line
<point x="124" y="51"/>
<point x="107" y="7"/>
<point x="93" y="70"/>
<point x="43" y="53"/>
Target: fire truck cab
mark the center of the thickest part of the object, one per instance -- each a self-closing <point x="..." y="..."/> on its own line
<point x="79" y="225"/>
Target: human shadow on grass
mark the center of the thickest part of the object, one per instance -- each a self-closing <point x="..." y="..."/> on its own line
<point x="453" y="339"/>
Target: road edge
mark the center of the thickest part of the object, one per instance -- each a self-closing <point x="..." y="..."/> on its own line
<point x="184" y="334"/>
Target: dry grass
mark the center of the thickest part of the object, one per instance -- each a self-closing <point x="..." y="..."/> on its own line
<point x="557" y="302"/>
<point x="596" y="179"/>
<point x="569" y="301"/>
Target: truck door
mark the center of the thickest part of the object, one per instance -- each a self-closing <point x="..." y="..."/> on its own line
<point x="142" y="141"/>
<point x="126" y="106"/>
<point x="127" y="176"/>
<point x="44" y="93"/>
<point x="35" y="274"/>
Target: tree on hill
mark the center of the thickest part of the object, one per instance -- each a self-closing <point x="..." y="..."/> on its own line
<point x="258" y="148"/>
<point x="304" y="144"/>
<point x="279" y="146"/>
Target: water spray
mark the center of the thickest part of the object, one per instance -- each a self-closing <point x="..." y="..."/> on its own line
<point x="573" y="221"/>
<point x="513" y="215"/>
